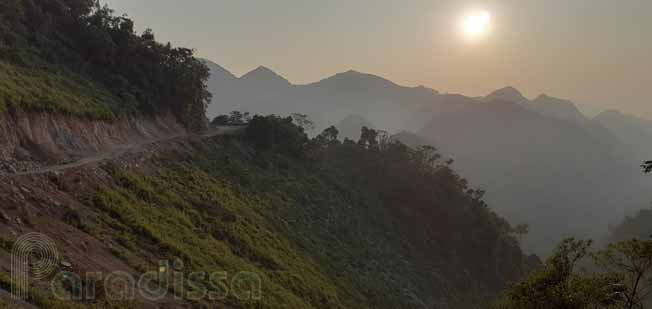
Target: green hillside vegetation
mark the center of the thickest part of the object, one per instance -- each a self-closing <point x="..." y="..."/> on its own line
<point x="324" y="224"/>
<point x="76" y="57"/>
<point x="40" y="90"/>
<point x="575" y="277"/>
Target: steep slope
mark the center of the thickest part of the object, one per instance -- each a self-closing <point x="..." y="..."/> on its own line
<point x="218" y="73"/>
<point x="318" y="234"/>
<point x="220" y="79"/>
<point x="77" y="58"/>
<point x="76" y="79"/>
<point x="34" y="89"/>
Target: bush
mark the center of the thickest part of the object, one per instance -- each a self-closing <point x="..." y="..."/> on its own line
<point x="267" y="133"/>
<point x="236" y="118"/>
<point x="221" y="120"/>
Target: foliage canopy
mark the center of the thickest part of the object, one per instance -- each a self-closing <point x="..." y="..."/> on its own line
<point x="81" y="37"/>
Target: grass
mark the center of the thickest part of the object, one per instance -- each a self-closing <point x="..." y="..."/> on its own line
<point x="317" y="240"/>
<point x="185" y="213"/>
<point x="44" y="90"/>
<point x="315" y="236"/>
<point x="46" y="301"/>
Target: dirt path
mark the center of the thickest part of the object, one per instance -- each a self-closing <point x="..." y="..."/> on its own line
<point x="10" y="302"/>
<point x="120" y="151"/>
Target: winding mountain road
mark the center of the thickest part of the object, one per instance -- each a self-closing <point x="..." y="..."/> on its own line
<point x="122" y="150"/>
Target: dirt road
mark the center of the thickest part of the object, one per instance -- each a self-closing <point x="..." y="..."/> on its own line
<point x="121" y="150"/>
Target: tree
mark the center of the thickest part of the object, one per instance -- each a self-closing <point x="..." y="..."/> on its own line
<point x="273" y="133"/>
<point x="303" y="121"/>
<point x="237" y="118"/>
<point x="647" y="167"/>
<point x="633" y="260"/>
<point x="89" y="40"/>
<point x="559" y="285"/>
<point x="328" y="136"/>
<point x="520" y="231"/>
<point x="221" y="120"/>
<point x="427" y="156"/>
<point x="368" y="138"/>
<point x="320" y="144"/>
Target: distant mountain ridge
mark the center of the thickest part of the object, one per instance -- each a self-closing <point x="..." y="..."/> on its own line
<point x="336" y="97"/>
<point x="352" y="82"/>
<point x="541" y="160"/>
<point x="543" y="104"/>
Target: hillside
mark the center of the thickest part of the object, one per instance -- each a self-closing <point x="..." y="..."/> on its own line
<point x="541" y="161"/>
<point x="542" y="171"/>
<point x="75" y="80"/>
<point x="75" y="57"/>
<point x="104" y="154"/>
<point x="317" y="225"/>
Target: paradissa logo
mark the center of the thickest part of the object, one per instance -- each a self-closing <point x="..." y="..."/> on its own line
<point x="35" y="257"/>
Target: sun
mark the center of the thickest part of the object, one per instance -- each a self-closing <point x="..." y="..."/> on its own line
<point x="476" y="25"/>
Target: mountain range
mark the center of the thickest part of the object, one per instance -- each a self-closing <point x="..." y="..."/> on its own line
<point x="541" y="161"/>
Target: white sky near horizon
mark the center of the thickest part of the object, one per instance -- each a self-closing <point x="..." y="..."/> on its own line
<point x="597" y="53"/>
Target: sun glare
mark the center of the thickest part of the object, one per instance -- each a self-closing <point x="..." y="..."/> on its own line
<point x="476" y="25"/>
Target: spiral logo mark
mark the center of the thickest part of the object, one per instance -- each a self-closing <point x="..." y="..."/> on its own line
<point x="34" y="256"/>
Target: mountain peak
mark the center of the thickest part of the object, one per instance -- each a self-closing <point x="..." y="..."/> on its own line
<point x="545" y="99"/>
<point x="558" y="108"/>
<point x="260" y="71"/>
<point x="352" y="79"/>
<point x="352" y="72"/>
<point x="509" y="94"/>
<point x="218" y="70"/>
<point x="264" y="74"/>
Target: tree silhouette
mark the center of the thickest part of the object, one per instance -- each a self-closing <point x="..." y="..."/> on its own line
<point x="633" y="260"/>
<point x="521" y="230"/>
<point x="368" y="138"/>
<point x="647" y="167"/>
<point x="303" y="121"/>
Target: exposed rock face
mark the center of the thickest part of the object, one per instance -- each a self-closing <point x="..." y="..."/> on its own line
<point x="52" y="138"/>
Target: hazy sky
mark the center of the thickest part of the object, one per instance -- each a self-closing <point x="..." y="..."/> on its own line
<point x="595" y="52"/>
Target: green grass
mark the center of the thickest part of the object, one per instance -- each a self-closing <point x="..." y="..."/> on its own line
<point x="44" y="90"/>
<point x="185" y="213"/>
<point x="44" y="300"/>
